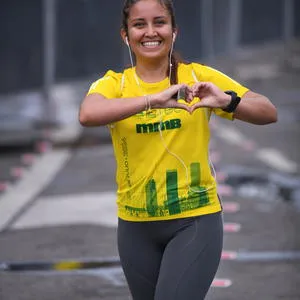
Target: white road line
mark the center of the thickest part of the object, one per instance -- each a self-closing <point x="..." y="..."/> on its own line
<point x="276" y="160"/>
<point x="270" y="156"/>
<point x="93" y="208"/>
<point x="33" y="182"/>
<point x="230" y="134"/>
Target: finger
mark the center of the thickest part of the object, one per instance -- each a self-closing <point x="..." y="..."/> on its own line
<point x="183" y="106"/>
<point x="173" y="90"/>
<point x="195" y="106"/>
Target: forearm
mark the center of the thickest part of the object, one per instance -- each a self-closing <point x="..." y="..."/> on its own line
<point x="96" y="110"/>
<point x="256" y="109"/>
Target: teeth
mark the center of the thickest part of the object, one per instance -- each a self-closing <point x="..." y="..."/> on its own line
<point x="151" y="44"/>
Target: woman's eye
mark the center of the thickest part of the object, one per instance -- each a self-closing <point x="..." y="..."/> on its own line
<point x="139" y="24"/>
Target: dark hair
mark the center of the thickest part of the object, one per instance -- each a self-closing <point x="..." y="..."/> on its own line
<point x="168" y="4"/>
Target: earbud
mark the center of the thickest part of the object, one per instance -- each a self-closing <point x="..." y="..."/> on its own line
<point x="174" y="36"/>
<point x="126" y="41"/>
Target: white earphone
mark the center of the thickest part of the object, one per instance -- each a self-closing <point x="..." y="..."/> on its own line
<point x="174" y="36"/>
<point x="126" y="41"/>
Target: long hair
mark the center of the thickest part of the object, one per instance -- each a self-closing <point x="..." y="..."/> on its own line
<point x="168" y="4"/>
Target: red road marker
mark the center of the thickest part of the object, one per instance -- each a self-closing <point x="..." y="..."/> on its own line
<point x="230" y="207"/>
<point x="16" y="172"/>
<point x="27" y="158"/>
<point x="3" y="186"/>
<point x="43" y="147"/>
<point x="232" y="227"/>
<point x="221" y="283"/>
<point x="228" y="255"/>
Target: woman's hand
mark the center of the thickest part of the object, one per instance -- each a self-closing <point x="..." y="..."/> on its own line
<point x="164" y="99"/>
<point x="210" y="96"/>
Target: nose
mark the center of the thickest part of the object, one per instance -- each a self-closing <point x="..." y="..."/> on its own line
<point x="150" y="32"/>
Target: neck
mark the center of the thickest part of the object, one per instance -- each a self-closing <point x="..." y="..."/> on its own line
<point x="152" y="72"/>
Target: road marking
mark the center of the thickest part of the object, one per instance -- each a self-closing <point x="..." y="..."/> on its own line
<point x="107" y="268"/>
<point x="269" y="256"/>
<point x="230" y="207"/>
<point x="97" y="209"/>
<point x="28" y="158"/>
<point x="229" y="255"/>
<point x="34" y="180"/>
<point x="17" y="172"/>
<point x="230" y="134"/>
<point x="276" y="160"/>
<point x="4" y="186"/>
<point x="232" y="227"/>
<point x="221" y="283"/>
<point x="90" y="208"/>
<point x="270" y="156"/>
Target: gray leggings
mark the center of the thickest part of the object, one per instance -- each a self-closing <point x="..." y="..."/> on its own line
<point x="171" y="260"/>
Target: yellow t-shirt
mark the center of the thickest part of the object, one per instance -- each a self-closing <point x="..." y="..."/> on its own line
<point x="163" y="169"/>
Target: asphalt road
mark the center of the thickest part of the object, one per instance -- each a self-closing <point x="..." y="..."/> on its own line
<point x="61" y="244"/>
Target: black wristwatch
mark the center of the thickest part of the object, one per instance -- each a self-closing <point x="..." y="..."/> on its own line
<point x="235" y="100"/>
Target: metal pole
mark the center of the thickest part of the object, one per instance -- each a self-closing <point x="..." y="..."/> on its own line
<point x="49" y="59"/>
<point x="235" y="11"/>
<point x="207" y="30"/>
<point x="288" y="17"/>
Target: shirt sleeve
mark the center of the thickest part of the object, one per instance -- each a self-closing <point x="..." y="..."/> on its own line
<point x="224" y="82"/>
<point x="109" y="85"/>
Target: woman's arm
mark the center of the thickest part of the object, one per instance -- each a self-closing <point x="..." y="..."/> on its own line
<point x="96" y="110"/>
<point x="256" y="109"/>
<point x="253" y="108"/>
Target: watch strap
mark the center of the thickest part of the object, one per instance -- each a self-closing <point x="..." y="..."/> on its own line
<point x="235" y="100"/>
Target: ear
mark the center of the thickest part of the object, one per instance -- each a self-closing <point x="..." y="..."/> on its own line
<point x="124" y="36"/>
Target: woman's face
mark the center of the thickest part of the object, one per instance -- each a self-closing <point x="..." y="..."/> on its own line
<point x="150" y="31"/>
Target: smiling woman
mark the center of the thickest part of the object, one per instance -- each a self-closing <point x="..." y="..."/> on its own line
<point x="170" y="216"/>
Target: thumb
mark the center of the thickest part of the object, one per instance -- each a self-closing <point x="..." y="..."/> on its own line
<point x="173" y="89"/>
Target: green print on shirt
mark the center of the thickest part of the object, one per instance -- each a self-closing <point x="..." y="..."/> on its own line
<point x="174" y="204"/>
<point x="195" y="186"/>
<point x="151" y="197"/>
<point x="154" y="127"/>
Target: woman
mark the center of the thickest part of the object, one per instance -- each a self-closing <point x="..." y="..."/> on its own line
<point x="170" y="221"/>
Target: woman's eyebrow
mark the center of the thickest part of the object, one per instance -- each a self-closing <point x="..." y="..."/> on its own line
<point x="137" y="19"/>
<point x="143" y="19"/>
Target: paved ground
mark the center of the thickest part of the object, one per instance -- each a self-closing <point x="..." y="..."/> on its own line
<point x="58" y="224"/>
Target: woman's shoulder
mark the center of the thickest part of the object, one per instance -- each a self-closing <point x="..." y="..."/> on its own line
<point x="192" y="66"/>
<point x="111" y="74"/>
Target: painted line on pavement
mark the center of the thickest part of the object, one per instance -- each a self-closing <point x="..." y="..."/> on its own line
<point x="108" y="268"/>
<point x="232" y="227"/>
<point x="275" y="159"/>
<point x="34" y="180"/>
<point x="89" y="208"/>
<point x="92" y="208"/>
<point x="269" y="156"/>
<point x="229" y="255"/>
